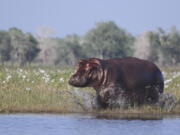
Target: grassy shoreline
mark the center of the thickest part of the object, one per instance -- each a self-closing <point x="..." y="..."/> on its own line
<point x="45" y="90"/>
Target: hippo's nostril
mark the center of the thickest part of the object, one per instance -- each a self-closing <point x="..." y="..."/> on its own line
<point x="73" y="80"/>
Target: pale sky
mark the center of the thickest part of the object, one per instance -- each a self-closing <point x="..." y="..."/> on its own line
<point x="78" y="16"/>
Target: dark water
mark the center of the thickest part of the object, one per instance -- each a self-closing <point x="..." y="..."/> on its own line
<point x="73" y="124"/>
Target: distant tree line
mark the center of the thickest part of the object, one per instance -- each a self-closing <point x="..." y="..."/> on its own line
<point x="17" y="47"/>
<point x="105" y="40"/>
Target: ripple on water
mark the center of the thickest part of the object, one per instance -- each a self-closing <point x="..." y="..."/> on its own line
<point x="78" y="124"/>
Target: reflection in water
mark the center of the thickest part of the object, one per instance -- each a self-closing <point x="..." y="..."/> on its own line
<point x="45" y="124"/>
<point x="130" y="116"/>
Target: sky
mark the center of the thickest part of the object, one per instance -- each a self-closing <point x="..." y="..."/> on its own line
<point x="66" y="17"/>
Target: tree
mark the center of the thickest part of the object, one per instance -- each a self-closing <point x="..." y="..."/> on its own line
<point x="32" y="49"/>
<point x="69" y="50"/>
<point x="142" y="46"/>
<point x="107" y="40"/>
<point x="47" y="44"/>
<point x="155" y="47"/>
<point x="25" y="46"/>
<point x="170" y="44"/>
<point x="160" y="47"/>
<point x="147" y="46"/>
<point x="5" y="46"/>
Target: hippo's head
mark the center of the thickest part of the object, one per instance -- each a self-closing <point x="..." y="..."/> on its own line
<point x="87" y="73"/>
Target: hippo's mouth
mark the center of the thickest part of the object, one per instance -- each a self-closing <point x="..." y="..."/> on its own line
<point x="83" y="82"/>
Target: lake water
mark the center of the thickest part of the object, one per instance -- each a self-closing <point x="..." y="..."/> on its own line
<point x="78" y="124"/>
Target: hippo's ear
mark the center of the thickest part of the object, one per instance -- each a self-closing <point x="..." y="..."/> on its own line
<point x="82" y="61"/>
<point x="94" y="62"/>
<point x="89" y="63"/>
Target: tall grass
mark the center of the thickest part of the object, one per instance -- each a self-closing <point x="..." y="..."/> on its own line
<point x="44" y="90"/>
<point x="35" y="90"/>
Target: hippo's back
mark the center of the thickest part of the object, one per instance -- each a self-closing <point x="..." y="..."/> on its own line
<point x="136" y="73"/>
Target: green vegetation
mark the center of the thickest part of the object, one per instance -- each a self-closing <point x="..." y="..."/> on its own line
<point x="46" y="90"/>
<point x="32" y="89"/>
<point x="105" y="40"/>
<point x="17" y="47"/>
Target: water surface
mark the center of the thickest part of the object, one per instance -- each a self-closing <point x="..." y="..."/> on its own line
<point x="78" y="124"/>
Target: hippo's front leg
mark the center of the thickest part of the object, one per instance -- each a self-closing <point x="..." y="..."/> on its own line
<point x="104" y="95"/>
<point x="113" y="96"/>
<point x="96" y="104"/>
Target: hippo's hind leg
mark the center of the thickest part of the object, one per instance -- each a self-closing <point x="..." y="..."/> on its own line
<point x="152" y="94"/>
<point x="157" y="88"/>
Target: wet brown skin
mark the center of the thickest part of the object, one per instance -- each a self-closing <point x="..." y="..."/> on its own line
<point x="138" y="81"/>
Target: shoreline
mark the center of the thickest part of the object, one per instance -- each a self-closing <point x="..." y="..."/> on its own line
<point x="106" y="116"/>
<point x="135" y="111"/>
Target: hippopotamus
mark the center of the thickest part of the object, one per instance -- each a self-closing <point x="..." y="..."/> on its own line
<point x="131" y="80"/>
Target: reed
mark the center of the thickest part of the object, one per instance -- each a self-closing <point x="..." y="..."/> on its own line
<point x="40" y="90"/>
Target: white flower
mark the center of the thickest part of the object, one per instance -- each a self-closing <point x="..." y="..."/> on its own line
<point x="166" y="86"/>
<point x="32" y="82"/>
<point x="4" y="82"/>
<point x="23" y="76"/>
<point x="28" y="89"/>
<point x="61" y="79"/>
<point x="20" y="70"/>
<point x="41" y="71"/>
<point x="46" y="75"/>
<point x="46" y="79"/>
<point x="176" y="74"/>
<point x="8" y="77"/>
<point x="52" y="80"/>
<point x="167" y="81"/>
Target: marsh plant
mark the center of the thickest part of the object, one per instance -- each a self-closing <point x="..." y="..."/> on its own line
<point x="47" y="90"/>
